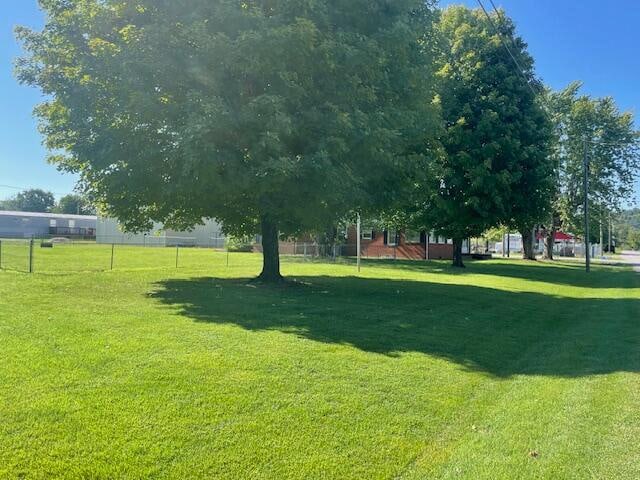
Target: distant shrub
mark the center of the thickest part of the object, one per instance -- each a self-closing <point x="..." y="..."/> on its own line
<point x="239" y="244"/>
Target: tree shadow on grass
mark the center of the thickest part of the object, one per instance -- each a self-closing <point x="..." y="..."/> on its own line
<point x="557" y="273"/>
<point x="483" y="329"/>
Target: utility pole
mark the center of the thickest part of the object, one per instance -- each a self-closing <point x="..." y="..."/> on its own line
<point x="358" y="236"/>
<point x="587" y="247"/>
<point x="31" y="255"/>
<point x="601" y="238"/>
<point x="426" y="245"/>
<point x="609" y="246"/>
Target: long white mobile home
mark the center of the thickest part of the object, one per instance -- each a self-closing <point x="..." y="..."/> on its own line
<point x="208" y="235"/>
<point x="46" y="225"/>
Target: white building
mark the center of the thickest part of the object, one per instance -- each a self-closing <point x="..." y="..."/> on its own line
<point x="46" y="225"/>
<point x="512" y="241"/>
<point x="208" y="235"/>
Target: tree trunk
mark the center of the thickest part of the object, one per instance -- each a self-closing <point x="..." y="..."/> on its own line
<point x="270" y="253"/>
<point x="550" y="238"/>
<point x="528" y="252"/>
<point x="327" y="241"/>
<point x="549" y="243"/>
<point x="457" y="253"/>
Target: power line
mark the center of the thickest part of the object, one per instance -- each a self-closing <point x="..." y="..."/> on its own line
<point x="521" y="71"/>
<point x="506" y="47"/>
<point x="22" y="189"/>
<point x="503" y="22"/>
<point x="537" y="95"/>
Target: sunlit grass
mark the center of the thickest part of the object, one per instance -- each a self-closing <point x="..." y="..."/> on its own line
<point x="404" y="370"/>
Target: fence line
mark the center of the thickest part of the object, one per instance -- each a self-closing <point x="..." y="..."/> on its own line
<point x="53" y="255"/>
<point x="57" y="255"/>
<point x="64" y="255"/>
<point x="15" y="255"/>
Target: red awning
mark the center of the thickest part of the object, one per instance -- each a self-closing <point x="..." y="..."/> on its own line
<point x="558" y="237"/>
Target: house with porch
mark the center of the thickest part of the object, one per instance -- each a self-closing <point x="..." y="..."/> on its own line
<point x="400" y="244"/>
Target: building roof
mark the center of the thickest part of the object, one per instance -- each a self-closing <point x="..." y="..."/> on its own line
<point x="558" y="236"/>
<point x="65" y="216"/>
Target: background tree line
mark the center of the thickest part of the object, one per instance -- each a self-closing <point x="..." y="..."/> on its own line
<point x="594" y="126"/>
<point x="627" y="228"/>
<point x="283" y="117"/>
<point x="38" y="200"/>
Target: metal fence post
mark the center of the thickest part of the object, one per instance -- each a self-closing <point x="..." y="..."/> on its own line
<point x="113" y="246"/>
<point x="177" y="251"/>
<point x="31" y="256"/>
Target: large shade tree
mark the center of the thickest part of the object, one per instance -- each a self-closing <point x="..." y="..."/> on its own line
<point x="597" y="127"/>
<point x="272" y="116"/>
<point x="495" y="143"/>
<point x="534" y="180"/>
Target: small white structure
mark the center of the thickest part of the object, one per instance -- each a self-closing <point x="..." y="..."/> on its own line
<point x="208" y="235"/>
<point x="512" y="241"/>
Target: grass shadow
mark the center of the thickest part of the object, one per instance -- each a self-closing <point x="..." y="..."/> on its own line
<point x="484" y="329"/>
<point x="558" y="273"/>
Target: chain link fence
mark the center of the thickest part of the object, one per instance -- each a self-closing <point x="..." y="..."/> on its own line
<point x="63" y="255"/>
<point x="16" y="255"/>
<point x="59" y="255"/>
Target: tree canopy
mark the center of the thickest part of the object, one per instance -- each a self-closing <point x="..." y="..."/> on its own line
<point x="282" y="117"/>
<point x="627" y="228"/>
<point x="74" y="204"/>
<point x="494" y="167"/>
<point x="273" y="117"/>
<point x="595" y="125"/>
<point x="32" y="200"/>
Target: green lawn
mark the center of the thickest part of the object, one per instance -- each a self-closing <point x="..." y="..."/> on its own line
<point x="407" y="371"/>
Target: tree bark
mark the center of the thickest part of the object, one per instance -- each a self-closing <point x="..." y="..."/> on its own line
<point x="457" y="253"/>
<point x="327" y="241"/>
<point x="528" y="252"/>
<point x="550" y="239"/>
<point x="549" y="243"/>
<point x="270" y="252"/>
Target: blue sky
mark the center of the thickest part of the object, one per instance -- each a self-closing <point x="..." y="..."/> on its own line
<point x="588" y="40"/>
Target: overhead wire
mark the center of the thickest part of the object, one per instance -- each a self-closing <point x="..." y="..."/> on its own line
<point x="22" y="189"/>
<point x="521" y="70"/>
<point x="508" y="50"/>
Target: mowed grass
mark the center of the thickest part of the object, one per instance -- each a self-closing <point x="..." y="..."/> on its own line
<point x="94" y="257"/>
<point x="408" y="370"/>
